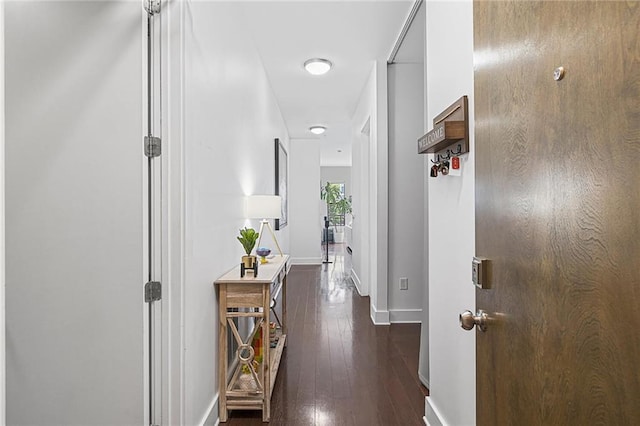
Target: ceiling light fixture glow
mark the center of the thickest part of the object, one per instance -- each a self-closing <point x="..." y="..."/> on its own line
<point x="317" y="66"/>
<point x="317" y="130"/>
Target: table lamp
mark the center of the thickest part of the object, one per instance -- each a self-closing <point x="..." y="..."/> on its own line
<point x="265" y="207"/>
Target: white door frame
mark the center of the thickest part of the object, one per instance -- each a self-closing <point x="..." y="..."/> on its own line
<point x="172" y="67"/>
<point x="365" y="207"/>
<point x="153" y="126"/>
<point x="3" y="398"/>
<point x="379" y="198"/>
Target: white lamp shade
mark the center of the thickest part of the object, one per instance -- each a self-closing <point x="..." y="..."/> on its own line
<point x="263" y="206"/>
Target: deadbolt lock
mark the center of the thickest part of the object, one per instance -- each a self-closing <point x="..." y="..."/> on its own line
<point x="480" y="272"/>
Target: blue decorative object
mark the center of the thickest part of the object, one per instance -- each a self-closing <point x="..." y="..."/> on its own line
<point x="263" y="252"/>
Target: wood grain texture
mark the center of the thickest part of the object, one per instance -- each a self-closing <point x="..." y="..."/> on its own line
<point x="557" y="202"/>
<point x="265" y="367"/>
<point x="244" y="295"/>
<point x="222" y="351"/>
<point x="253" y="293"/>
<point x="338" y="368"/>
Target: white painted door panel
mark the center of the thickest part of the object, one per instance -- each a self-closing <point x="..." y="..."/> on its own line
<point x="74" y="213"/>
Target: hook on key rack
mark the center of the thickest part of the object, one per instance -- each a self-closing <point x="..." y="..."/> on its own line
<point x="458" y="151"/>
<point x="448" y="155"/>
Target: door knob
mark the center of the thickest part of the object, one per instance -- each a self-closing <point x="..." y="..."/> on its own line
<point x="468" y="320"/>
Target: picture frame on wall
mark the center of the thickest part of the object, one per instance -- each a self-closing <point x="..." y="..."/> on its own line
<point x="282" y="175"/>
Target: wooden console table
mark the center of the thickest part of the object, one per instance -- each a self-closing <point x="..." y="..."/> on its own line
<point x="248" y="385"/>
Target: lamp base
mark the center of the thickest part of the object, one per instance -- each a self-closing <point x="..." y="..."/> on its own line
<point x="273" y="235"/>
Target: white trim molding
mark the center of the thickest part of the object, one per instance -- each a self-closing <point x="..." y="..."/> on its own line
<point x="401" y="316"/>
<point x="173" y="23"/>
<point x="432" y="416"/>
<point x="3" y="410"/>
<point x="405" y="29"/>
<point x="424" y="380"/>
<point x="211" y="417"/>
<point x="356" y="281"/>
<point x="379" y="317"/>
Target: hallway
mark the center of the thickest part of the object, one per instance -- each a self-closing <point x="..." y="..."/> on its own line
<point x="338" y="368"/>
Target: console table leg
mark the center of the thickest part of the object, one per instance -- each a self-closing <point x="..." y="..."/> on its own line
<point x="266" y="363"/>
<point x="222" y="354"/>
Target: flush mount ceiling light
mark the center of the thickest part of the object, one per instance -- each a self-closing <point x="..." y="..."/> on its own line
<point x="317" y="130"/>
<point x="317" y="66"/>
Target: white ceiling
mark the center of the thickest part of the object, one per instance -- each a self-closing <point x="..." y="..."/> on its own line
<point x="351" y="34"/>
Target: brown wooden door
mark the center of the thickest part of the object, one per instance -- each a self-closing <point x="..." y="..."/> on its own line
<point x="558" y="212"/>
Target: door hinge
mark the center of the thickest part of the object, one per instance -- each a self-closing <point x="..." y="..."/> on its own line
<point x="152" y="6"/>
<point x="152" y="146"/>
<point x="152" y="291"/>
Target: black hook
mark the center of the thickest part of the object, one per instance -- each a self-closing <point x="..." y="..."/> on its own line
<point x="437" y="161"/>
<point x="458" y="151"/>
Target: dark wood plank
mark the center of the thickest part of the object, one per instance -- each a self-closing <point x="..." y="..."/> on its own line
<point x="338" y="368"/>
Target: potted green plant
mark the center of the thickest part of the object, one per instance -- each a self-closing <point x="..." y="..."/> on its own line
<point x="248" y="238"/>
<point x="330" y="193"/>
<point x="337" y="207"/>
<point x="343" y="206"/>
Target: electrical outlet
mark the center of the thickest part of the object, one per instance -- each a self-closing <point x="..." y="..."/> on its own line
<point x="404" y="283"/>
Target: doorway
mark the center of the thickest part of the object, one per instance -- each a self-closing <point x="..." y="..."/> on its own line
<point x="336" y="193"/>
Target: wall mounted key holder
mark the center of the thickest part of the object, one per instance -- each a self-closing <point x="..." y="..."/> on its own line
<point x="450" y="134"/>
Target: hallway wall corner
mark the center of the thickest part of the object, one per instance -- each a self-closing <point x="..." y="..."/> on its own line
<point x="379" y="317"/>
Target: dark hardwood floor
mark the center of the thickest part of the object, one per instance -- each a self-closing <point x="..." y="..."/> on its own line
<point x="338" y="368"/>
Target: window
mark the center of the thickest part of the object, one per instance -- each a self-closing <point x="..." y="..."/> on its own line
<point x="335" y="203"/>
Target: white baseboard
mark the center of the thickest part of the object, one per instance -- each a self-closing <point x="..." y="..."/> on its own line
<point x="399" y="316"/>
<point x="379" y="317"/>
<point x="356" y="280"/>
<point x="211" y="417"/>
<point x="432" y="415"/>
<point x="306" y="261"/>
<point x="424" y="380"/>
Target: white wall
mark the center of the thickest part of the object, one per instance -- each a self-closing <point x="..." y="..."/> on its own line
<point x="372" y="163"/>
<point x="221" y="119"/>
<point x="449" y="69"/>
<point x="360" y="203"/>
<point x="379" y="196"/>
<point x="406" y="191"/>
<point x="305" y="203"/>
<point x="337" y="174"/>
<point x="230" y="119"/>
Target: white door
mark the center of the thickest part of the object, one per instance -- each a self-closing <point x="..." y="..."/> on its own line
<point x="75" y="213"/>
